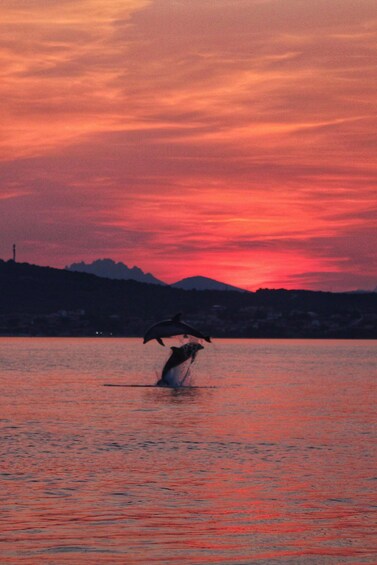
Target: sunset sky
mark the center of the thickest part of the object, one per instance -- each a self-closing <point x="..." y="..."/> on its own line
<point x="234" y="139"/>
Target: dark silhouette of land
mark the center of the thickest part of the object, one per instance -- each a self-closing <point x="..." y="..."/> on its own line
<point x="204" y="283"/>
<point x="41" y="301"/>
<point x="109" y="269"/>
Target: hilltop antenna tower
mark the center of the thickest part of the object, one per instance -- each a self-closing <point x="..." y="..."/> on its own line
<point x="14" y="252"/>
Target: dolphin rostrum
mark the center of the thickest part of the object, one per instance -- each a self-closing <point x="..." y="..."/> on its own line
<point x="172" y="327"/>
<point x="179" y="356"/>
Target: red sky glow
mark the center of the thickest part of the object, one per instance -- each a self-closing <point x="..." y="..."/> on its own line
<point x="230" y="139"/>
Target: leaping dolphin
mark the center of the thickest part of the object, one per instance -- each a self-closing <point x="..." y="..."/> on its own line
<point x="179" y="355"/>
<point x="172" y="327"/>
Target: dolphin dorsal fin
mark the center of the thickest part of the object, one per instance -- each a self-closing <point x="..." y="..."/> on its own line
<point x="177" y="317"/>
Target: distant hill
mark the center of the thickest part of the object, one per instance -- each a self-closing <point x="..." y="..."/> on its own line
<point x="204" y="283"/>
<point x="41" y="301"/>
<point x="359" y="291"/>
<point x="109" y="269"/>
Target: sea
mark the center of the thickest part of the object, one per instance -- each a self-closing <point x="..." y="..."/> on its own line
<point x="267" y="457"/>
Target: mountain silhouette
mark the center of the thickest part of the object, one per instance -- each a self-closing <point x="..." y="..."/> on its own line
<point x="204" y="283"/>
<point x="109" y="269"/>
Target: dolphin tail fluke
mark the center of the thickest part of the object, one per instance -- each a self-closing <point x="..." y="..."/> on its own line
<point x="160" y="341"/>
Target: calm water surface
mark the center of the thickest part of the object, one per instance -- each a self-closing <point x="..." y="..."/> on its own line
<point x="274" y="462"/>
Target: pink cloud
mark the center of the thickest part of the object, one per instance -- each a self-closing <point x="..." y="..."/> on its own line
<point x="234" y="140"/>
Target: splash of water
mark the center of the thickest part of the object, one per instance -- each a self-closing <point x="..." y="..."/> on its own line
<point x="179" y="376"/>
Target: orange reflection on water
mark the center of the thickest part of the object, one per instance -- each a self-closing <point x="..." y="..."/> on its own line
<point x="276" y="461"/>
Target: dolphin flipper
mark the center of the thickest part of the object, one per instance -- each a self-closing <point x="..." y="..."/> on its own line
<point x="160" y="341"/>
